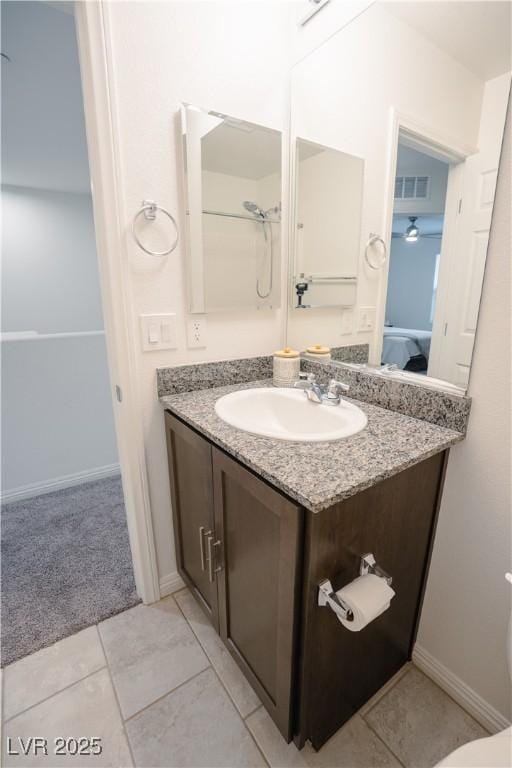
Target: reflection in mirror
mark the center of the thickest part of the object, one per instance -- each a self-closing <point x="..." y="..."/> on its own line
<point x="424" y="106"/>
<point x="417" y="231"/>
<point x="328" y="192"/>
<point x="233" y="195"/>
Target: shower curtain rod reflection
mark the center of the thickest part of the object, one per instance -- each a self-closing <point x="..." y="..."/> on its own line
<point x="242" y="216"/>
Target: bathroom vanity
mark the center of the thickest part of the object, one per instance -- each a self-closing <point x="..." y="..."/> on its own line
<point x="259" y="523"/>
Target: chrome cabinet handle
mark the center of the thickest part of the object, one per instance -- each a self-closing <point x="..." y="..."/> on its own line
<point x="211" y="569"/>
<point x="218" y="568"/>
<point x="201" y="547"/>
<point x="209" y="540"/>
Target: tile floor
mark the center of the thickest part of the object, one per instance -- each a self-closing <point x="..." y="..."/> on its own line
<point x="157" y="686"/>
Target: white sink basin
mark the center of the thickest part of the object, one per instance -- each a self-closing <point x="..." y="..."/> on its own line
<point x="287" y="414"/>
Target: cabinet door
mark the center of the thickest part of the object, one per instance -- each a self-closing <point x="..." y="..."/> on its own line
<point x="190" y="470"/>
<point x="259" y="531"/>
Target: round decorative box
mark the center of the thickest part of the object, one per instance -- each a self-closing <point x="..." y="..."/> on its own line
<point x="317" y="352"/>
<point x="286" y="367"/>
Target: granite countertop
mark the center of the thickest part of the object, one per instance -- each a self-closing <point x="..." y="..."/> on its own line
<point x="317" y="475"/>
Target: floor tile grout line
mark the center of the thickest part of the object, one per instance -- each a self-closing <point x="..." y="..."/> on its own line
<point x="379" y="700"/>
<point x="167" y="693"/>
<point x="110" y="677"/>
<point x="230" y="697"/>
<point x="244" y="717"/>
<point x="55" y="693"/>
<point x="251" y="735"/>
<point x="171" y="690"/>
<point x="237" y="711"/>
<point x="382" y="740"/>
<point x="384" y="695"/>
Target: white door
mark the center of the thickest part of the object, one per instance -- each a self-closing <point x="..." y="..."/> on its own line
<point x="459" y="311"/>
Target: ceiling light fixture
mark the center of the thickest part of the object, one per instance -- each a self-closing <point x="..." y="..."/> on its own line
<point x="412" y="232"/>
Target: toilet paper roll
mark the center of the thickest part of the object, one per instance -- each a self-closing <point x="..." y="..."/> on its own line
<point x="367" y="597"/>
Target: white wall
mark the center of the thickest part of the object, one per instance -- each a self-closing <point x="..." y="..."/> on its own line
<point x="333" y="17"/>
<point x="57" y="418"/>
<point x="329" y="194"/>
<point x="42" y="110"/>
<point x="49" y="266"/>
<point x="56" y="402"/>
<point x="230" y="57"/>
<point x="410" y="282"/>
<point x="335" y="102"/>
<point x="468" y="602"/>
<point x="235" y="251"/>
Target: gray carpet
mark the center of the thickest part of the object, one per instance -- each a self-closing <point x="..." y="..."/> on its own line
<point x="66" y="565"/>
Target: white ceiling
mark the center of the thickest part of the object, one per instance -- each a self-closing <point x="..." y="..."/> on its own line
<point x="248" y="151"/>
<point x="476" y="33"/>
<point x="43" y="126"/>
<point x="411" y="161"/>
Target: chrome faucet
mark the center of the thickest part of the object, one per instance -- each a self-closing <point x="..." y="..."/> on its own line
<point x="388" y="368"/>
<point x="317" y="393"/>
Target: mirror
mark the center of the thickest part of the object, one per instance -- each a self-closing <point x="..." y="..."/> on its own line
<point x="233" y="199"/>
<point x="328" y="193"/>
<point x="418" y="92"/>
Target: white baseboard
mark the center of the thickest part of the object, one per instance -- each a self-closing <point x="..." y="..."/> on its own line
<point x="57" y="483"/>
<point x="170" y="583"/>
<point x="469" y="699"/>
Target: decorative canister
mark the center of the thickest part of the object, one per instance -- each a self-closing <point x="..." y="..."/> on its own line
<point x="319" y="353"/>
<point x="286" y="367"/>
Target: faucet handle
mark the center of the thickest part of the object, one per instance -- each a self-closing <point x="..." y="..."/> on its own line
<point x="306" y="381"/>
<point x="336" y="387"/>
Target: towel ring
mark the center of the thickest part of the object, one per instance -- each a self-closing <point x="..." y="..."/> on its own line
<point x="372" y="240"/>
<point x="149" y="208"/>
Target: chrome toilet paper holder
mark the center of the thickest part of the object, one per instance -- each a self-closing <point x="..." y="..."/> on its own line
<point x="368" y="564"/>
<point x="327" y="595"/>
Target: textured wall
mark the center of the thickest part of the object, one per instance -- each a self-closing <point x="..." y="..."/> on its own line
<point x="230" y="57"/>
<point x="56" y="401"/>
<point x="410" y="282"/>
<point x="468" y="601"/>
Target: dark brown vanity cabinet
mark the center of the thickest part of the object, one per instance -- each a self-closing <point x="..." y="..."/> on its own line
<point x="190" y="470"/>
<point x="238" y="545"/>
<point x="253" y="558"/>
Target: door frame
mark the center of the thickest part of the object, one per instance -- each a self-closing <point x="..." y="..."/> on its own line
<point x="116" y="294"/>
<point x="423" y="138"/>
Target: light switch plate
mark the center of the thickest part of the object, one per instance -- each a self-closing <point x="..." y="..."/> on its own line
<point x="158" y="332"/>
<point x="197" y="332"/>
<point x="347" y="319"/>
<point x="366" y="319"/>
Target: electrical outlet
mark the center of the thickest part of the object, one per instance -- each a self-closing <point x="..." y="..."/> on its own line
<point x="196" y="332"/>
<point x="366" y="319"/>
<point x="347" y="319"/>
<point x="158" y="332"/>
